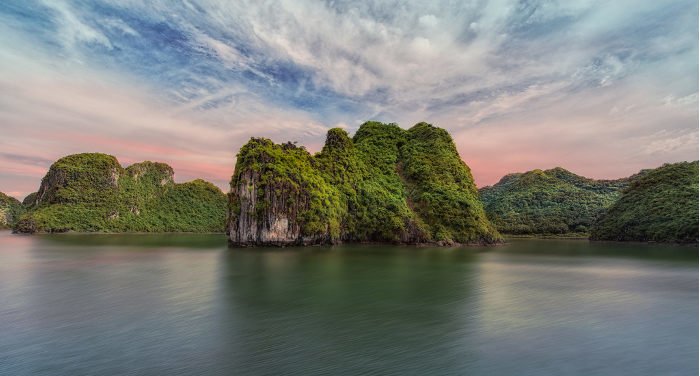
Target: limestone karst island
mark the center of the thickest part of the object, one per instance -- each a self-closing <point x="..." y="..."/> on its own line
<point x="349" y="187"/>
<point x="384" y="184"/>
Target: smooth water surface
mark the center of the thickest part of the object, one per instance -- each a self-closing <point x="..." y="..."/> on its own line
<point x="187" y="305"/>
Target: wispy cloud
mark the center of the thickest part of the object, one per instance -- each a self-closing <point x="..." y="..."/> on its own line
<point x="521" y="84"/>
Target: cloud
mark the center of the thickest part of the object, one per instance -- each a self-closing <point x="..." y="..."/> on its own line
<point x="71" y="30"/>
<point x="521" y="84"/>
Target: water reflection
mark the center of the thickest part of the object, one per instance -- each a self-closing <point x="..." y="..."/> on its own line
<point x="145" y="240"/>
<point x="310" y="312"/>
<point x="185" y="304"/>
<point x="573" y="248"/>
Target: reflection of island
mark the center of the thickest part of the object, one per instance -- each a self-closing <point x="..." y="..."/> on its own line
<point x="141" y="240"/>
<point x="528" y="307"/>
<point x="357" y="308"/>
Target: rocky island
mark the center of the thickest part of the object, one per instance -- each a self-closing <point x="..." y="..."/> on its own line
<point x="385" y="184"/>
<point x="92" y="192"/>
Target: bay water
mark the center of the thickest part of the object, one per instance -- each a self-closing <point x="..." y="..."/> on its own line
<point x="188" y="305"/>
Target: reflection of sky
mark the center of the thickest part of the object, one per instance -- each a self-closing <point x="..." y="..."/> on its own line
<point x="148" y="304"/>
<point x="581" y="310"/>
<point x="520" y="85"/>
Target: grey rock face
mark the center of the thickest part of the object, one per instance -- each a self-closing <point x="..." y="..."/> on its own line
<point x="274" y="223"/>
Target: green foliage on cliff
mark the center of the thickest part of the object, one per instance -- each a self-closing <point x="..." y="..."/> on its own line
<point x="82" y="179"/>
<point x="661" y="205"/>
<point x="10" y="210"/>
<point x="29" y="200"/>
<point x="91" y="192"/>
<point x="289" y="176"/>
<point x="441" y="187"/>
<point x="384" y="184"/>
<point x="382" y="212"/>
<point x="553" y="201"/>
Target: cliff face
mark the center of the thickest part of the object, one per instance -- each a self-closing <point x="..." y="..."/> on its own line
<point x="385" y="184"/>
<point x="92" y="192"/>
<point x="10" y="210"/>
<point x="273" y="220"/>
<point x="277" y="197"/>
<point x="660" y="205"/>
<point x="552" y="201"/>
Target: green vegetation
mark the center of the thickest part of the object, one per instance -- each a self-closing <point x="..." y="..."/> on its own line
<point x="548" y="202"/>
<point x="441" y="187"/>
<point x="285" y="175"/>
<point x="10" y="210"/>
<point x="91" y="192"/>
<point x="29" y="200"/>
<point x="384" y="184"/>
<point x="382" y="211"/>
<point x="661" y="205"/>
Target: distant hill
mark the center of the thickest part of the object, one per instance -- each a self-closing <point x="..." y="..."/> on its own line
<point x="10" y="210"/>
<point x="661" y="205"/>
<point x="92" y="192"/>
<point x="384" y="184"/>
<point x="554" y="201"/>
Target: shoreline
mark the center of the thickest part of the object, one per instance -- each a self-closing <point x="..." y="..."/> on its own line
<point x="506" y="238"/>
<point x="577" y="236"/>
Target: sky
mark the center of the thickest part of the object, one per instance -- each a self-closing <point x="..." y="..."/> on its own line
<point x="602" y="88"/>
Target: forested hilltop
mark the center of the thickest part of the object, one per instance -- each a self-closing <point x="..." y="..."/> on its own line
<point x="661" y="205"/>
<point x="549" y="202"/>
<point x="92" y="192"/>
<point x="385" y="184"/>
<point x="10" y="210"/>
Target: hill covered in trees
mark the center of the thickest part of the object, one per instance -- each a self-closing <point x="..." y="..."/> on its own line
<point x="384" y="184"/>
<point x="554" y="201"/>
<point x="10" y="210"/>
<point x="661" y="205"/>
<point x="93" y="192"/>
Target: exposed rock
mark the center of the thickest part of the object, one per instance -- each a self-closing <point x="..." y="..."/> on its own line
<point x="270" y="204"/>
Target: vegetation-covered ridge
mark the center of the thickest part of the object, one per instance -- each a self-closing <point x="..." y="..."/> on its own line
<point x="549" y="202"/>
<point x="661" y="205"/>
<point x="10" y="210"/>
<point x="385" y="184"/>
<point x="92" y="192"/>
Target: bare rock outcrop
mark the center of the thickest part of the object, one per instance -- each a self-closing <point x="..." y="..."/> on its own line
<point x="275" y="196"/>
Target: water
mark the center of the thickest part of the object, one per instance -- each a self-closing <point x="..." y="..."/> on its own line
<point x="186" y="305"/>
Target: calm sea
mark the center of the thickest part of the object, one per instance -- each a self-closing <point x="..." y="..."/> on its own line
<point x="187" y="305"/>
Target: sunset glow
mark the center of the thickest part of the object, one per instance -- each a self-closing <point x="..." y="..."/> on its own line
<point x="519" y="85"/>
